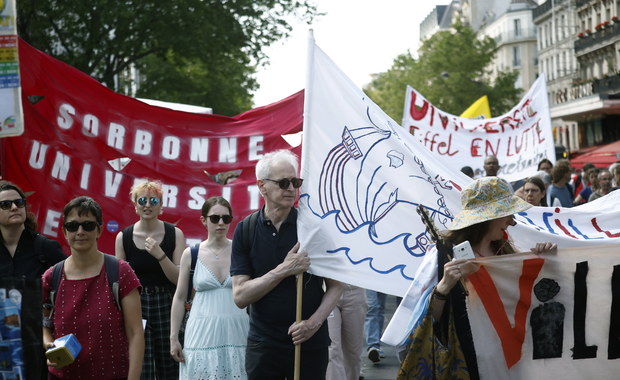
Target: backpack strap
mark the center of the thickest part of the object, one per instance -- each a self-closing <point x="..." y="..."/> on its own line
<point x="249" y="230"/>
<point x="127" y="242"/>
<point x="170" y="233"/>
<point x="111" y="270"/>
<point x="56" y="277"/>
<point x="190" y="283"/>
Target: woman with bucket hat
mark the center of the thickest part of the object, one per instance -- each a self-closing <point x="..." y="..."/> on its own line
<point x="488" y="206"/>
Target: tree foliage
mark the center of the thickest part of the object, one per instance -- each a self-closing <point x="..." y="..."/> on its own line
<point x="203" y="51"/>
<point x="451" y="72"/>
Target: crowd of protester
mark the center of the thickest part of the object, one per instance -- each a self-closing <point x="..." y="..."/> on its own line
<point x="560" y="185"/>
<point x="128" y="311"/>
<point x="164" y="288"/>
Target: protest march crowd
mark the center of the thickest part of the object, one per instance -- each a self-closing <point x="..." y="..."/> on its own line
<point x="284" y="298"/>
<point x="225" y="309"/>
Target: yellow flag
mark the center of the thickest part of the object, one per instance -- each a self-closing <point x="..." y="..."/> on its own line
<point x="479" y="110"/>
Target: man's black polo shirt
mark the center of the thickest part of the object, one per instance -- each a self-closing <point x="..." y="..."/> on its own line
<point x="272" y="315"/>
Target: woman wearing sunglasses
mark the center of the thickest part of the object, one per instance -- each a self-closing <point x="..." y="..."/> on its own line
<point x="23" y="252"/>
<point x="112" y="338"/>
<point x="217" y="330"/>
<point x="153" y="248"/>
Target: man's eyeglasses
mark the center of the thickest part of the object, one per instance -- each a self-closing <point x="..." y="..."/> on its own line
<point x="86" y="226"/>
<point x="285" y="182"/>
<point x="152" y="200"/>
<point x="215" y="219"/>
<point x="19" y="203"/>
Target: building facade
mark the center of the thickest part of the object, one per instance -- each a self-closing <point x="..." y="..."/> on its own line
<point x="440" y="18"/>
<point x="578" y="51"/>
<point x="514" y="33"/>
<point x="555" y="21"/>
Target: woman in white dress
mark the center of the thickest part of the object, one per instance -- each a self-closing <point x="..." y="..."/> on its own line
<point x="217" y="330"/>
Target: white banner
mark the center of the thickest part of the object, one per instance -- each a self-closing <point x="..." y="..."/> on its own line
<point x="549" y="316"/>
<point x="593" y="223"/>
<point x="11" y="115"/>
<point x="519" y="138"/>
<point x="363" y="178"/>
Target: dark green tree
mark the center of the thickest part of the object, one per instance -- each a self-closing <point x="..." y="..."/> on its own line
<point x="452" y="72"/>
<point x="199" y="51"/>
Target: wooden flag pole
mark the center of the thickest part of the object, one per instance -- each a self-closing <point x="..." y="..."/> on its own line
<point x="300" y="284"/>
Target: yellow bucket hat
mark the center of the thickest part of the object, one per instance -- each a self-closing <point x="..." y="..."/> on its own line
<point x="485" y="199"/>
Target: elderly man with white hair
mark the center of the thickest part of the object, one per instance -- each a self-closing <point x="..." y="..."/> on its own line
<point x="266" y="258"/>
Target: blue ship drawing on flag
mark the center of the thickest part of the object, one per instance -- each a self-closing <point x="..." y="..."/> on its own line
<point x="366" y="181"/>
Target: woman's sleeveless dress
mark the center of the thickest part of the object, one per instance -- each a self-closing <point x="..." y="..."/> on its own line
<point x="216" y="333"/>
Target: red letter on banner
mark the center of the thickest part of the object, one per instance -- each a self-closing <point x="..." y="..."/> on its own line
<point x="511" y="337"/>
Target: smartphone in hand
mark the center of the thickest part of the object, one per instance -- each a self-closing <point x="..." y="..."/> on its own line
<point x="463" y="251"/>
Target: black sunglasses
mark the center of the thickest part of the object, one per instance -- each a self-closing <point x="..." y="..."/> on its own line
<point x="19" y="203"/>
<point x="87" y="226"/>
<point x="154" y="201"/>
<point x="215" y="219"/>
<point x="285" y="182"/>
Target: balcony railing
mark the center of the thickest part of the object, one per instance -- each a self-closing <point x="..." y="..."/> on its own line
<point x="545" y="7"/>
<point x="597" y="37"/>
<point x="609" y="85"/>
<point x="572" y="92"/>
<point x="524" y="34"/>
<point x="581" y="3"/>
<point x="583" y="88"/>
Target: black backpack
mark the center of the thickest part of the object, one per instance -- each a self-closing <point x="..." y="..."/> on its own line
<point x="111" y="270"/>
<point x="249" y="227"/>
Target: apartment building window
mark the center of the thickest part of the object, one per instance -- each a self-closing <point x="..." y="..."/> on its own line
<point x="564" y="64"/>
<point x="541" y="34"/>
<point x="563" y="27"/>
<point x="516" y="56"/>
<point x="517" y="27"/>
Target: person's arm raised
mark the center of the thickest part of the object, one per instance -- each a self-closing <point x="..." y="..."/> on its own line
<point x="170" y="267"/>
<point x="453" y="272"/>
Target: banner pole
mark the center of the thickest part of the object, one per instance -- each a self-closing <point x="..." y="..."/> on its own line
<point x="304" y="155"/>
<point x="307" y="95"/>
<point x="300" y="283"/>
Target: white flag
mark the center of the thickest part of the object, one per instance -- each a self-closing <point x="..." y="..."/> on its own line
<point x="364" y="175"/>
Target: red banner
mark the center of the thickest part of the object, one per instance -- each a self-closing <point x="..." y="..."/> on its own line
<point x="83" y="139"/>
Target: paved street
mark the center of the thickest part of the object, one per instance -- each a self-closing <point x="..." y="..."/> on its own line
<point x="387" y="368"/>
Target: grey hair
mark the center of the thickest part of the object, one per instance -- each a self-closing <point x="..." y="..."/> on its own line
<point x="264" y="165"/>
<point x="546" y="177"/>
